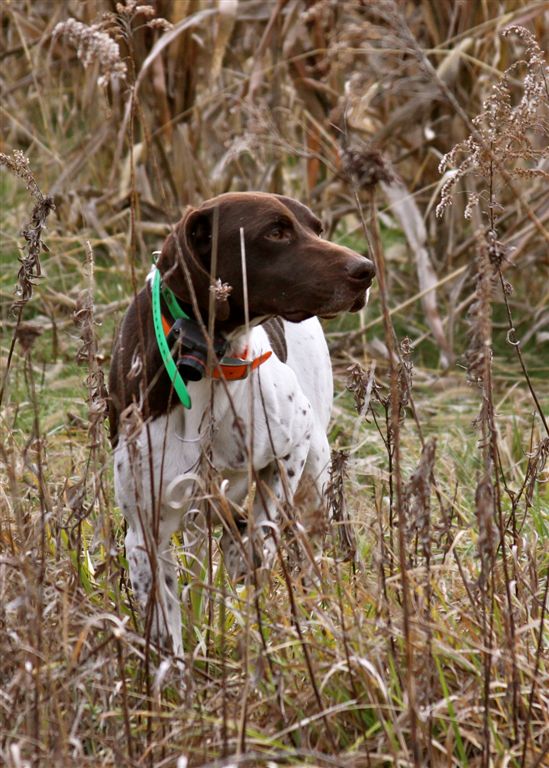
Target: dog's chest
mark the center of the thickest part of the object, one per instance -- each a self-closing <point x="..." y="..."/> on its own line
<point x="255" y="420"/>
<point x="278" y="410"/>
<point x="277" y="413"/>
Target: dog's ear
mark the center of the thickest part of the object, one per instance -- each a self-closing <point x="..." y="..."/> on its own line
<point x="198" y="231"/>
<point x="185" y="261"/>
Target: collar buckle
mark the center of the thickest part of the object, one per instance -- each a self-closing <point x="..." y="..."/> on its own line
<point x="236" y="369"/>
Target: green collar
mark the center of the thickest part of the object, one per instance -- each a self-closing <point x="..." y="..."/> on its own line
<point x="176" y="312"/>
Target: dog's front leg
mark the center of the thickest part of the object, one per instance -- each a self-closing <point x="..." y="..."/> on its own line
<point x="151" y="523"/>
<point x="154" y="581"/>
<point x="151" y="563"/>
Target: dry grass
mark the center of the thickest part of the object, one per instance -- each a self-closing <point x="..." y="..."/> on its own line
<point x="421" y="640"/>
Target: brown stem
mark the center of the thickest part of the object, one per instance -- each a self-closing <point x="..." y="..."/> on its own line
<point x="377" y="252"/>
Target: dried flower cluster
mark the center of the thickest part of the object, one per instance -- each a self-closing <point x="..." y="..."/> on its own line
<point x="128" y="18"/>
<point x="339" y="512"/>
<point x="19" y="165"/>
<point x="221" y="291"/>
<point x="83" y="318"/>
<point x="417" y="496"/>
<point x="27" y="333"/>
<point x="133" y="7"/>
<point x="366" y="167"/>
<point x="358" y="383"/>
<point x="30" y="268"/>
<point x="504" y="131"/>
<point x="97" y="42"/>
<point x="405" y="374"/>
<point x="94" y="45"/>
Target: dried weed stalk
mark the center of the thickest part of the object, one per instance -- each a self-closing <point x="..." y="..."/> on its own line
<point x="417" y="495"/>
<point x="30" y="269"/>
<point x="89" y="492"/>
<point x="394" y="451"/>
<point x="88" y="353"/>
<point x="504" y="142"/>
<point x="417" y="500"/>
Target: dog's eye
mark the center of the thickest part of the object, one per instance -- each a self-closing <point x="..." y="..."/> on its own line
<point x="278" y="233"/>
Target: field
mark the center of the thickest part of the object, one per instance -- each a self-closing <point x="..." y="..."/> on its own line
<point x="413" y="630"/>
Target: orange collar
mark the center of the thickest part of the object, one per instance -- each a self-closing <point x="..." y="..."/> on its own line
<point x="231" y="368"/>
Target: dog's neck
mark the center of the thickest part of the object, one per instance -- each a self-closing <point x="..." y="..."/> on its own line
<point x="238" y="338"/>
<point x="185" y="349"/>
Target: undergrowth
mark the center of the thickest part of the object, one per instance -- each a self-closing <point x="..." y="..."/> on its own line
<point x="421" y="639"/>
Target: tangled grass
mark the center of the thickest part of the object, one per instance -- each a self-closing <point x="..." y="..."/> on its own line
<point x="421" y="638"/>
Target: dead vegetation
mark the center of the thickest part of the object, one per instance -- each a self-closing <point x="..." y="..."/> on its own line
<point x="422" y="640"/>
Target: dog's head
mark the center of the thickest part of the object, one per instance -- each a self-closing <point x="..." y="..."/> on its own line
<point x="291" y="270"/>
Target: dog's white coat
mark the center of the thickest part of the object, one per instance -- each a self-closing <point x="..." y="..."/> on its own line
<point x="279" y="415"/>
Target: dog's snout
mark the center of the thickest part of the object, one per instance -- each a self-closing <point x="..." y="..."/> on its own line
<point x="362" y="269"/>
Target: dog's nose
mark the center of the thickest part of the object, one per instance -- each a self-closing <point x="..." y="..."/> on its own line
<point x="362" y="269"/>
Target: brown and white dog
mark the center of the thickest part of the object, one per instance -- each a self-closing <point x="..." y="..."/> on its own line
<point x="274" y="420"/>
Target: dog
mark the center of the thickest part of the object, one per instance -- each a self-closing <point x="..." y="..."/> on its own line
<point x="221" y="364"/>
